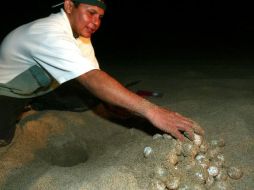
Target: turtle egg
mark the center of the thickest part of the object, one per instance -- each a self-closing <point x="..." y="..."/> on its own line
<point x="173" y="182"/>
<point x="190" y="186"/>
<point x="203" y="161"/>
<point x="178" y="147"/>
<point x="221" y="185"/>
<point x="190" y="150"/>
<point x="160" y="172"/>
<point x="167" y="136"/>
<point x="222" y="176"/>
<point x="147" y="151"/>
<point x="234" y="172"/>
<point x="157" y="136"/>
<point x="218" y="143"/>
<point x="221" y="157"/>
<point x="172" y="158"/>
<point x="203" y="147"/>
<point x="157" y="185"/>
<point x="213" y="171"/>
<point x="209" y="181"/>
<point x="200" y="157"/>
<point x="198" y="139"/>
<point x="219" y="160"/>
<point x="198" y="174"/>
<point x="213" y="153"/>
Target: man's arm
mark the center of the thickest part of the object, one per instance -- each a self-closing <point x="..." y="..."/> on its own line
<point x="111" y="91"/>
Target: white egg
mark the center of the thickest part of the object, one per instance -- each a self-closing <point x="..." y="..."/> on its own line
<point x="147" y="151"/>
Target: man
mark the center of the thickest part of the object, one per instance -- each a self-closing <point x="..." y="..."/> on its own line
<point x="37" y="57"/>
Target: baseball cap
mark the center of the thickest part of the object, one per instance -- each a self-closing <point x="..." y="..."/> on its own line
<point x="99" y="3"/>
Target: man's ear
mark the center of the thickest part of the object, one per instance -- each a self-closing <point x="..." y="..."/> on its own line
<point x="68" y="6"/>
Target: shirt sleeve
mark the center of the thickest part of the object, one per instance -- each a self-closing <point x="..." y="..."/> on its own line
<point x="65" y="57"/>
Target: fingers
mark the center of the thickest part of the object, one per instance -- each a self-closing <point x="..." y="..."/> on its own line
<point x="178" y="135"/>
<point x="188" y="126"/>
<point x="175" y="124"/>
<point x="177" y="129"/>
<point x="197" y="129"/>
<point x="187" y="131"/>
<point x="189" y="123"/>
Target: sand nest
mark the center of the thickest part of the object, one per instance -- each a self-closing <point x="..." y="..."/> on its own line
<point x="65" y="150"/>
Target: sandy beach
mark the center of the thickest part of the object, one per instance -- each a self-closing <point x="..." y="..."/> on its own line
<point x="66" y="150"/>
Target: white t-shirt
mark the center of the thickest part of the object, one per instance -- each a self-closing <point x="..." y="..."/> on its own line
<point x="47" y="43"/>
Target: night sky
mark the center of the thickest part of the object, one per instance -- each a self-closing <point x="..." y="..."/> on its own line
<point x="132" y="25"/>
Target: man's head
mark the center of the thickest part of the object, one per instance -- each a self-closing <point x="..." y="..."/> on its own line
<point x="84" y="16"/>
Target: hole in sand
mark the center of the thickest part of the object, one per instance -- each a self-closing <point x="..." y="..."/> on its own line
<point x="65" y="155"/>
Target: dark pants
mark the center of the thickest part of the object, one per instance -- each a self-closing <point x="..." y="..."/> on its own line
<point x="70" y="97"/>
<point x="10" y="109"/>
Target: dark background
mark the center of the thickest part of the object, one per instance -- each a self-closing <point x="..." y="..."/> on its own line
<point x="155" y="27"/>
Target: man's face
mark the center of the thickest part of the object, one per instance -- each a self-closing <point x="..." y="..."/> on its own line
<point x="84" y="19"/>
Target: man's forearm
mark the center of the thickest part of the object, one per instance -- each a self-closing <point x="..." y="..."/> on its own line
<point x="111" y="91"/>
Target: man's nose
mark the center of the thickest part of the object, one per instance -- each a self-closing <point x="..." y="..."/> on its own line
<point x="96" y="21"/>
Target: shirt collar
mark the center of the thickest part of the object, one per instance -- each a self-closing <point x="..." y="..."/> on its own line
<point x="67" y="22"/>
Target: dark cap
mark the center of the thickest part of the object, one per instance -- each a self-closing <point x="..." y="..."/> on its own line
<point x="98" y="3"/>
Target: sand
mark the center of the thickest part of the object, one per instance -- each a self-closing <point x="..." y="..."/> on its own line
<point x="82" y="150"/>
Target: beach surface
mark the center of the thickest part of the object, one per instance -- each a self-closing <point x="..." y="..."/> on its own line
<point x="86" y="150"/>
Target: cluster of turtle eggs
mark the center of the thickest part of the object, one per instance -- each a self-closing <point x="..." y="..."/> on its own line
<point x="190" y="165"/>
